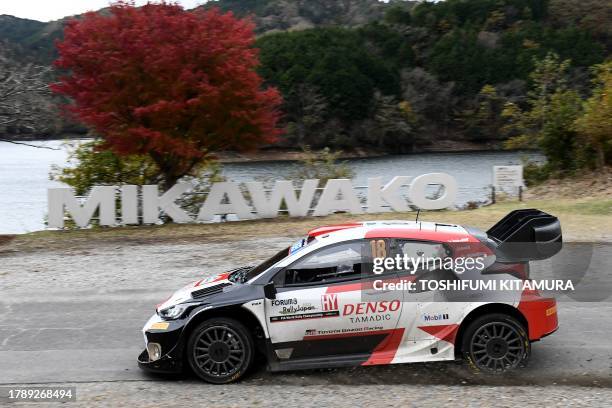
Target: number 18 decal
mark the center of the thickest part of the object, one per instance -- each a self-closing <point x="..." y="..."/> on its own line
<point x="379" y="248"/>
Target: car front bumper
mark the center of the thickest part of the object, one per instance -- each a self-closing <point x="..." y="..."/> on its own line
<point x="166" y="334"/>
<point x="166" y="364"/>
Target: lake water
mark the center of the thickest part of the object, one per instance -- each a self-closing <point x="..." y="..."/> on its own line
<point x="24" y="176"/>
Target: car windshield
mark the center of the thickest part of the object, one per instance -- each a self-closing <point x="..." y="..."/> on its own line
<point x="266" y="264"/>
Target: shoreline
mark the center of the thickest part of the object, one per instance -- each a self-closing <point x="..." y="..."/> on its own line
<point x="292" y="155"/>
<point x="297" y="155"/>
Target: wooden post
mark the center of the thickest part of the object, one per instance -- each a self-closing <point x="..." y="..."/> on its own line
<point x="520" y="193"/>
<point x="492" y="194"/>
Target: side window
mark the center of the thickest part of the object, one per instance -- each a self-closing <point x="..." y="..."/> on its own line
<point x="425" y="260"/>
<point x="334" y="263"/>
<point x="419" y="257"/>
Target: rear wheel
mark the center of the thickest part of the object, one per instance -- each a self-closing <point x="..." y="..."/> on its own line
<point x="495" y="344"/>
<point x="220" y="350"/>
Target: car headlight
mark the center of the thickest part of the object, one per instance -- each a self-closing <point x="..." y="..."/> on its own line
<point x="172" y="312"/>
<point x="154" y="350"/>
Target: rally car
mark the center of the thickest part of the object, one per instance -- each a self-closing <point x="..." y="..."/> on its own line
<point x="321" y="303"/>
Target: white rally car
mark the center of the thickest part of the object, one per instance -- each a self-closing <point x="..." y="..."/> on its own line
<point x="322" y="303"/>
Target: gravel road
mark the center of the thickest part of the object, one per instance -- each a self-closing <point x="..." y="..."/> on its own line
<point x="182" y="393"/>
<point x="74" y="317"/>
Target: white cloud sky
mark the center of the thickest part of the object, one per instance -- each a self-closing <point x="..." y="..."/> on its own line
<point x="46" y="10"/>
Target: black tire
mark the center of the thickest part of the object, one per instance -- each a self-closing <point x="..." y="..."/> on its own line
<point x="495" y="344"/>
<point x="220" y="350"/>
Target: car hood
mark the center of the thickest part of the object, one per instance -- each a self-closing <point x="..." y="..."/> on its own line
<point x="185" y="294"/>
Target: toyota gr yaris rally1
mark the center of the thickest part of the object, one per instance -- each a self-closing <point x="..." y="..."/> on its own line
<point x="322" y="303"/>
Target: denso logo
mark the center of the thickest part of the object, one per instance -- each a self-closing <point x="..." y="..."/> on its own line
<point x="371" y="307"/>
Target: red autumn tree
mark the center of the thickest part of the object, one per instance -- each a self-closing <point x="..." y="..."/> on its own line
<point x="169" y="83"/>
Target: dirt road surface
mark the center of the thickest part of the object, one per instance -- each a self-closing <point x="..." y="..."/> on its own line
<point x="73" y="317"/>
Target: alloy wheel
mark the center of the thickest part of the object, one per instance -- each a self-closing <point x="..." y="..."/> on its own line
<point x="497" y="347"/>
<point x="219" y="351"/>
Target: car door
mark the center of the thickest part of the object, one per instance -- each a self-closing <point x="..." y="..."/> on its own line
<point x="422" y="307"/>
<point x="326" y="305"/>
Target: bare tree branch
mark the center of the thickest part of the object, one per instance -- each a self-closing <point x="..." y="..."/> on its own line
<point x="28" y="144"/>
<point x="23" y="89"/>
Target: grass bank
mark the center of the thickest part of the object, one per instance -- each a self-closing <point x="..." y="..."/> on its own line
<point x="582" y="220"/>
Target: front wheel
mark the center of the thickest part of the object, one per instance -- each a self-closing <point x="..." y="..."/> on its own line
<point x="495" y="344"/>
<point x="220" y="350"/>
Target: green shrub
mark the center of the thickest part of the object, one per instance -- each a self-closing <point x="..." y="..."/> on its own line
<point x="535" y="174"/>
<point x="90" y="166"/>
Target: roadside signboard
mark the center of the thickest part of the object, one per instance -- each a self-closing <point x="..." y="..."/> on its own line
<point x="508" y="179"/>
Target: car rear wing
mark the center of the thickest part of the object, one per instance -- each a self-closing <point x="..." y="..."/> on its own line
<point x="526" y="235"/>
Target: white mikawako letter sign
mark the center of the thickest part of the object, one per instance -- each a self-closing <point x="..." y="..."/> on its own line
<point x="227" y="198"/>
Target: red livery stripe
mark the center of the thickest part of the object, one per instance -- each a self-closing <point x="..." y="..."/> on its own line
<point x="385" y="352"/>
<point x="326" y="229"/>
<point x="425" y="235"/>
<point x="534" y="307"/>
<point x="446" y="332"/>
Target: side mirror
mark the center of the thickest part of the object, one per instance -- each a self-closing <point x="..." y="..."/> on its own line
<point x="270" y="290"/>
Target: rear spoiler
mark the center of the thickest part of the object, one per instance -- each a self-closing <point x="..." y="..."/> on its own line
<point x="526" y="235"/>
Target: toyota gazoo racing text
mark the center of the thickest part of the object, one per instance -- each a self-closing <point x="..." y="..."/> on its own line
<point x="323" y="303"/>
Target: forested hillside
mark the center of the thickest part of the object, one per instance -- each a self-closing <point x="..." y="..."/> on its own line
<point x="399" y="76"/>
<point x="275" y="15"/>
<point x="30" y="40"/>
<point x="441" y="71"/>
